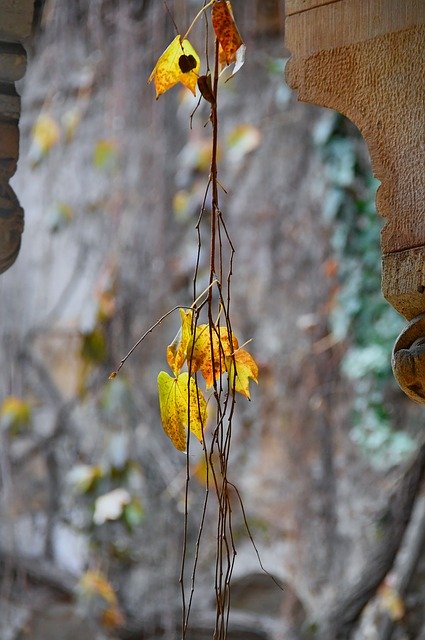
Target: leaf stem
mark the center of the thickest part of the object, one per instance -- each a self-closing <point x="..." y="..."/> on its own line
<point x="140" y="340"/>
<point x="198" y="15"/>
<point x="206" y="290"/>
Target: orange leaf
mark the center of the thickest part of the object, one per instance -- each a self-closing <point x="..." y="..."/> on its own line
<point x="176" y="351"/>
<point x="210" y="360"/>
<point x="226" y="31"/>
<point x="246" y="368"/>
<point x="95" y="583"/>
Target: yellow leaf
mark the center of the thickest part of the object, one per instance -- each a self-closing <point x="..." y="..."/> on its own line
<point x="176" y="351"/>
<point x="15" y="413"/>
<point x="226" y="31"/>
<point x="178" y="63"/>
<point x="392" y="602"/>
<point x="45" y="135"/>
<point x="46" y="132"/>
<point x="211" y="361"/>
<point x="177" y="411"/>
<point x="246" y="368"/>
<point x="95" y="583"/>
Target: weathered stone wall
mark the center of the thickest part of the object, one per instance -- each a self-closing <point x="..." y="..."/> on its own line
<point x="15" y="27"/>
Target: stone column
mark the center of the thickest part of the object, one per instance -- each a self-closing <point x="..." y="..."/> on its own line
<point x="365" y="59"/>
<point x="15" y="27"/>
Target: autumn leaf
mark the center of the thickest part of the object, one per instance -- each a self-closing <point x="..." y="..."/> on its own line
<point x="246" y="368"/>
<point x="176" y="351"/>
<point x="232" y="48"/>
<point x="211" y="361"/>
<point x="173" y="404"/>
<point x="15" y="414"/>
<point x="392" y="602"/>
<point x="96" y="589"/>
<point x="95" y="583"/>
<point x="45" y="135"/>
<point x="111" y="618"/>
<point x="178" y="63"/>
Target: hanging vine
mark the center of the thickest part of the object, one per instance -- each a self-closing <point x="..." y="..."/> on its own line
<point x="206" y="352"/>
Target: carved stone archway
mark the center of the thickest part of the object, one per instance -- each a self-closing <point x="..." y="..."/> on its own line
<point x="365" y="60"/>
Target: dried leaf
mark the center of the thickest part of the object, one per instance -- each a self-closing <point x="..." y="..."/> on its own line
<point x="173" y="404"/>
<point x="226" y="31"/>
<point x="246" y="368"/>
<point x="95" y="583"/>
<point x="205" y="87"/>
<point x="178" y="63"/>
<point x="176" y="351"/>
<point x="211" y="361"/>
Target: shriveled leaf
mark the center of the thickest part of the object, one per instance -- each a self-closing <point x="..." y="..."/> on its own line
<point x="209" y="358"/>
<point x="226" y="31"/>
<point x="174" y="405"/>
<point x="246" y="369"/>
<point x="205" y="87"/>
<point x="176" y="351"/>
<point x="178" y="63"/>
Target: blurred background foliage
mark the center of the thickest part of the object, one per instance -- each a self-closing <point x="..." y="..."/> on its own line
<point x="112" y="183"/>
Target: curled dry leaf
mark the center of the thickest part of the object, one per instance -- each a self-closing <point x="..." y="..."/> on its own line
<point x="178" y="63"/>
<point x="232" y="48"/>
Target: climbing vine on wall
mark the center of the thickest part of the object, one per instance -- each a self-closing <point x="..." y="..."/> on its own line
<point x="360" y="314"/>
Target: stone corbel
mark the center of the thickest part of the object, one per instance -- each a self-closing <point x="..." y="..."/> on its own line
<point x="365" y="59"/>
<point x="15" y="27"/>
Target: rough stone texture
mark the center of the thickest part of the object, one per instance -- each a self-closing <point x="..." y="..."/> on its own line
<point x="13" y="62"/>
<point x="15" y="20"/>
<point x="362" y="59"/>
<point x="9" y="149"/>
<point x="403" y="283"/>
<point x="15" y="26"/>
